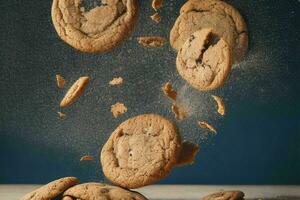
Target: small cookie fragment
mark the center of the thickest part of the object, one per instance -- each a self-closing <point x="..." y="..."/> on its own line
<point x="169" y="92"/>
<point x="225" y="195"/>
<point x="60" y="81"/>
<point x="52" y="189"/>
<point x="220" y="103"/>
<point x="156" y="4"/>
<point x="118" y="109"/>
<point x="75" y="91"/>
<point x="86" y="158"/>
<point x="179" y="111"/>
<point x="67" y="198"/>
<point x="205" y="125"/>
<point x="140" y="151"/>
<point x="152" y="41"/>
<point x="61" y="115"/>
<point x="116" y="81"/>
<point x="156" y="17"/>
<point x="188" y="153"/>
<point x="99" y="191"/>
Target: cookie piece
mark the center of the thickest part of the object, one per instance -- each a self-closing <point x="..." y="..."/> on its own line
<point x="97" y="30"/>
<point x="75" y="91"/>
<point x="188" y="153"/>
<point x="156" y="17"/>
<point x="118" y="109"/>
<point x="52" y="189"/>
<point x="225" y="195"/>
<point x="116" y="81"/>
<point x="224" y="20"/>
<point x="204" y="60"/>
<point x="60" y="81"/>
<point x="141" y="150"/>
<point x="220" y="103"/>
<point x="61" y="115"/>
<point x="205" y="125"/>
<point x="98" y="191"/>
<point x="179" y="112"/>
<point x="86" y="158"/>
<point x="156" y="4"/>
<point x="169" y="91"/>
<point x="152" y="41"/>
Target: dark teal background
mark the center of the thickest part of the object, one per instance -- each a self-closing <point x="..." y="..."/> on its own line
<point x="258" y="141"/>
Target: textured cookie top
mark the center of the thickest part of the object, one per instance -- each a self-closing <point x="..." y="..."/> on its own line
<point x="52" y="189"/>
<point x="225" y="195"/>
<point x="98" y="191"/>
<point x="99" y="29"/>
<point x="224" y="20"/>
<point x="141" y="151"/>
<point x="204" y="60"/>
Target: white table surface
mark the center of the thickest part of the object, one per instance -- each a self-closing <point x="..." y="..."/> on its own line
<point x="176" y="192"/>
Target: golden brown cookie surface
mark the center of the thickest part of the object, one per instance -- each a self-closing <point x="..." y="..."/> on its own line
<point x="224" y="20"/>
<point x="141" y="151"/>
<point x="99" y="29"/>
<point x="225" y="195"/>
<point x="98" y="191"/>
<point x="204" y="60"/>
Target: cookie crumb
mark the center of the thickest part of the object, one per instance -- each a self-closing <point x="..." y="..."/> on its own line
<point x="156" y="4"/>
<point x="60" y="81"/>
<point x="169" y="92"/>
<point x="188" y="153"/>
<point x="116" y="81"/>
<point x="221" y="105"/>
<point x="152" y="41"/>
<point x="118" y="109"/>
<point x="61" y="115"/>
<point x="205" y="125"/>
<point x="75" y="91"/>
<point x="179" y="112"/>
<point x="156" y="18"/>
<point x="86" y="158"/>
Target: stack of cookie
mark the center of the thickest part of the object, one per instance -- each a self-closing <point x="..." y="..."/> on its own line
<point x="209" y="35"/>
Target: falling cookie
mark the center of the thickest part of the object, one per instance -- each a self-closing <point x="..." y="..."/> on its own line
<point x="98" y="191"/>
<point x="188" y="153"/>
<point x="152" y="41"/>
<point x="205" y="125"/>
<point x="97" y="30"/>
<point x="52" y="189"/>
<point x="221" y="105"/>
<point x="225" y="195"/>
<point x="75" y="91"/>
<point x="142" y="150"/>
<point x="204" y="60"/>
<point x="224" y="20"/>
<point x="118" y="109"/>
<point x="60" y="81"/>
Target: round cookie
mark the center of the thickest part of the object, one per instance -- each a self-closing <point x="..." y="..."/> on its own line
<point x="99" y="29"/>
<point x="52" y="189"/>
<point x="98" y="191"/>
<point x="204" y="60"/>
<point x="224" y="20"/>
<point x="141" y="150"/>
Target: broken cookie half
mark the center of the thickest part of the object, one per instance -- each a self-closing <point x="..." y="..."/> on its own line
<point x="204" y="60"/>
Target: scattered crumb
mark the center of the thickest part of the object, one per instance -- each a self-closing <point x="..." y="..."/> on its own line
<point x="179" y="112"/>
<point x="118" y="109"/>
<point x="156" y="17"/>
<point x="152" y="41"/>
<point x="61" y="115"/>
<point x="221" y="105"/>
<point x="188" y="153"/>
<point x="60" y="81"/>
<point x="156" y="4"/>
<point x="169" y="92"/>
<point x="116" y="81"/>
<point x="75" y="91"/>
<point x="86" y="158"/>
<point x="205" y="125"/>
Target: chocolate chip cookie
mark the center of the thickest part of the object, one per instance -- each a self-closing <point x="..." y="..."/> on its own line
<point x="224" y="20"/>
<point x="52" y="189"/>
<point x="204" y="60"/>
<point x="99" y="29"/>
<point x="141" y="150"/>
<point x="98" y="191"/>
